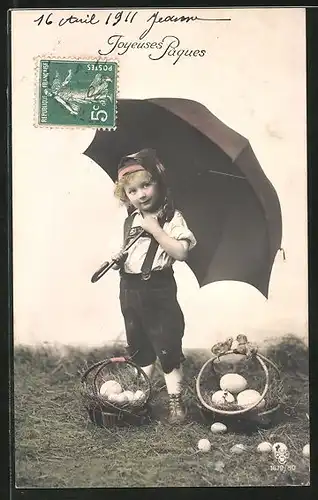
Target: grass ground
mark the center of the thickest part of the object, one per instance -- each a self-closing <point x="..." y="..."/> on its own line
<point x="56" y="446"/>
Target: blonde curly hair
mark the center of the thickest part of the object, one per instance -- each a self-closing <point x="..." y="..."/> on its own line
<point x="121" y="185"/>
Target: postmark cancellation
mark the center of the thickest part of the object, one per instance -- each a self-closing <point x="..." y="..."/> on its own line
<point x="76" y="93"/>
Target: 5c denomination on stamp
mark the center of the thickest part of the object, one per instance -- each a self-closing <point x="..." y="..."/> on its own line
<point x="77" y="93"/>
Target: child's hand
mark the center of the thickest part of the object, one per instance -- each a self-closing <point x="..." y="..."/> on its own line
<point x="119" y="258"/>
<point x="150" y="224"/>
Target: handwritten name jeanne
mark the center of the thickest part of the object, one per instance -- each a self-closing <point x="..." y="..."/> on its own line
<point x="168" y="46"/>
<point x="155" y="18"/>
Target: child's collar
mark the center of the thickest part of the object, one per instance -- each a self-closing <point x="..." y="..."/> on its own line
<point x="136" y="211"/>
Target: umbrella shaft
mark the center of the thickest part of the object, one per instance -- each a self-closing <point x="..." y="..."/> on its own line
<point x="228" y="175"/>
<point x="108" y="265"/>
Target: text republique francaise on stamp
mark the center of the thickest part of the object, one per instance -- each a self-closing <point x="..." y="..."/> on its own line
<point x="77" y="93"/>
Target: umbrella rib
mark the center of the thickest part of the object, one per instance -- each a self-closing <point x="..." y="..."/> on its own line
<point x="229" y="175"/>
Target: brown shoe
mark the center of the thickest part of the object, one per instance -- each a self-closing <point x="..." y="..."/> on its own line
<point x="177" y="412"/>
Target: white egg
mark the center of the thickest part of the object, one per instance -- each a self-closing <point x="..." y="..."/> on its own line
<point x="118" y="398"/>
<point x="218" y="428"/>
<point x="129" y="395"/>
<point x="306" y="450"/>
<point x="110" y="387"/>
<point x="264" y="447"/>
<point x="139" y="396"/>
<point x="204" y="445"/>
<point x="238" y="449"/>
<point x="233" y="382"/>
<point x="249" y="397"/>
<point x="222" y="397"/>
<point x="113" y="398"/>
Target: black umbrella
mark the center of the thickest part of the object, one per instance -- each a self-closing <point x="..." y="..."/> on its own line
<point x="216" y="182"/>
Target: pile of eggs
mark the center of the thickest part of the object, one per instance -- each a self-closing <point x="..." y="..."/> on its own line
<point x="114" y="393"/>
<point x="233" y="390"/>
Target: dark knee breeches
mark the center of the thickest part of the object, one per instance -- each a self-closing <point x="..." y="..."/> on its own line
<point x="153" y="319"/>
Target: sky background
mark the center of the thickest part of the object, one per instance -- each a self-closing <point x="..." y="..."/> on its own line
<point x="253" y="78"/>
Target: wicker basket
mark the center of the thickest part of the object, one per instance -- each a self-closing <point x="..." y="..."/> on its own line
<point x="261" y="374"/>
<point x="105" y="413"/>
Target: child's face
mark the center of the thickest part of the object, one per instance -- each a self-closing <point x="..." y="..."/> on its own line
<point x="142" y="192"/>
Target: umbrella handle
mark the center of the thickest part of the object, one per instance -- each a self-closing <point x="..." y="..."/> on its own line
<point x="108" y="265"/>
<point x="102" y="270"/>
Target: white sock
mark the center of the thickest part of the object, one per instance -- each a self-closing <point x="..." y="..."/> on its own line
<point x="149" y="370"/>
<point x="173" y="381"/>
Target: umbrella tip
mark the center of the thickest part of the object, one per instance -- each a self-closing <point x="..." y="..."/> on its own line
<point x="283" y="252"/>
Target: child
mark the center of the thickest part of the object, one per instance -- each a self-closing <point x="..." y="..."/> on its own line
<point x="153" y="318"/>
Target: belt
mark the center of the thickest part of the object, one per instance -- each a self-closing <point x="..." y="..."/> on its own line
<point x="154" y="275"/>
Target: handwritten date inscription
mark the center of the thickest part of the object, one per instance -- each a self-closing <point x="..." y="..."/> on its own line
<point x="113" y="18"/>
<point x="88" y="19"/>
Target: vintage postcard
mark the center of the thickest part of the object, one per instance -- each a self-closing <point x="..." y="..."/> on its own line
<point x="159" y="228"/>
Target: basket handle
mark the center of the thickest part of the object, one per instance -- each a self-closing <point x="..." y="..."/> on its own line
<point x="89" y="369"/>
<point x="120" y="359"/>
<point x="232" y="412"/>
<point x="272" y="410"/>
<point x="269" y="362"/>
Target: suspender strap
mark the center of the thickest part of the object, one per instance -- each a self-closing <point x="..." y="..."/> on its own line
<point x="127" y="227"/>
<point x="147" y="264"/>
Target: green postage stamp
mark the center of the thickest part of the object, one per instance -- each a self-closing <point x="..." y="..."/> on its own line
<point x="77" y="93"/>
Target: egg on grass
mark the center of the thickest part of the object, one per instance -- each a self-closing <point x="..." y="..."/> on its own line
<point x="238" y="449"/>
<point x="218" y="428"/>
<point x="306" y="450"/>
<point x="264" y="447"/>
<point x="204" y="445"/>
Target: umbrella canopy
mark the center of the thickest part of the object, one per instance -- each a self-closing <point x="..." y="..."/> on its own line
<point x="216" y="182"/>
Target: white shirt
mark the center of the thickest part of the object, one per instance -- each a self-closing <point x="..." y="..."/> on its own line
<point x="176" y="228"/>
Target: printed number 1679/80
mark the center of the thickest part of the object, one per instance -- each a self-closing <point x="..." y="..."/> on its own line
<point x="98" y="114"/>
<point x="99" y="67"/>
<point x="283" y="468"/>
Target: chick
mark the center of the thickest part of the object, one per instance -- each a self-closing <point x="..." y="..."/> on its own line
<point x="242" y="339"/>
<point x="240" y="344"/>
<point x="222" y="347"/>
<point x="243" y="346"/>
<point x="251" y="350"/>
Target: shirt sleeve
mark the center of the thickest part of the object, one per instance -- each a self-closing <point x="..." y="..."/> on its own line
<point x="179" y="230"/>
